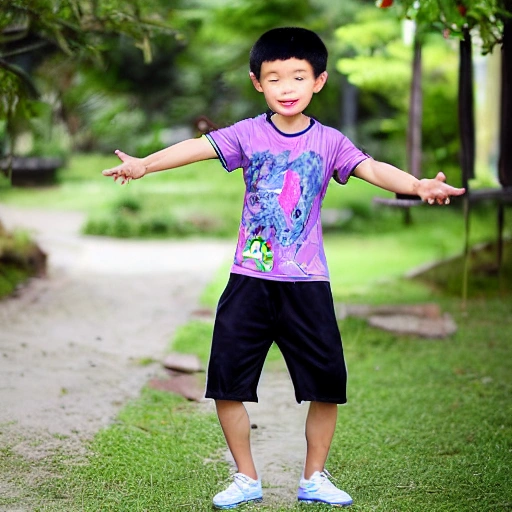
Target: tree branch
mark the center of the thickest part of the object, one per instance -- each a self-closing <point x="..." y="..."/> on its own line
<point x="24" y="77"/>
<point x="26" y="49"/>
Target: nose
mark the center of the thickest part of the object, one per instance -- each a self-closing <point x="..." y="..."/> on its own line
<point x="287" y="87"/>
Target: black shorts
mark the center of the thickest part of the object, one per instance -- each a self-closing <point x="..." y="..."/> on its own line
<point x="299" y="316"/>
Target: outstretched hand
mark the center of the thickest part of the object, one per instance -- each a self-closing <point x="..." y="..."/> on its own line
<point x="437" y="191"/>
<point x="131" y="168"/>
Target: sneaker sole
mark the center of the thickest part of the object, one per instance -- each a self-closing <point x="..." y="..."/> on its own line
<point x="346" y="504"/>
<point x="240" y="503"/>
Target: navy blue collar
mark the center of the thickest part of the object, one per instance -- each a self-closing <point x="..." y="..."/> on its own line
<point x="269" y="119"/>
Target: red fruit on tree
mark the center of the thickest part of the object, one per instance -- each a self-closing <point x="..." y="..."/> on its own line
<point x="384" y="3"/>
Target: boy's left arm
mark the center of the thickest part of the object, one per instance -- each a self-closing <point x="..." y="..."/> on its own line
<point x="391" y="178"/>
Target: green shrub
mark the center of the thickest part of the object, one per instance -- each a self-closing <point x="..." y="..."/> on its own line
<point x="20" y="258"/>
<point x="129" y="220"/>
<point x="128" y="204"/>
<point x="11" y="276"/>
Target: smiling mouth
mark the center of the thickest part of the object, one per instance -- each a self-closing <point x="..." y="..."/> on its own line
<point x="288" y="103"/>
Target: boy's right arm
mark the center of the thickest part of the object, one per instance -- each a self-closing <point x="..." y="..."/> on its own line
<point x="177" y="155"/>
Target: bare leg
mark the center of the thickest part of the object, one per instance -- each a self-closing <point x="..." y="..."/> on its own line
<point x="320" y="426"/>
<point x="235" y="424"/>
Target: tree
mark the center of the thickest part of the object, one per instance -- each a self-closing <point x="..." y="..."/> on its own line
<point x="30" y="30"/>
<point x="214" y="64"/>
<point x="458" y="19"/>
<point x="492" y="19"/>
<point x="378" y="61"/>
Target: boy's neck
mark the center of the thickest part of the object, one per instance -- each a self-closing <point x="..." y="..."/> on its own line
<point x="291" y="124"/>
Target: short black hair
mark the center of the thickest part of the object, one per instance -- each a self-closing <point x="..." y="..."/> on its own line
<point x="287" y="43"/>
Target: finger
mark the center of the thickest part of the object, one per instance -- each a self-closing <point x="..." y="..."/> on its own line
<point x="431" y="200"/>
<point x="122" y="156"/>
<point x="447" y="201"/>
<point x="440" y="176"/>
<point x="114" y="170"/>
<point x="456" y="191"/>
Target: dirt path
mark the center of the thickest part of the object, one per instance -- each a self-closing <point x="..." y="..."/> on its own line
<point x="71" y="343"/>
<point x="278" y="441"/>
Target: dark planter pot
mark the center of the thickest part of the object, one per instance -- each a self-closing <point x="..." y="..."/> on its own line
<point x="32" y="171"/>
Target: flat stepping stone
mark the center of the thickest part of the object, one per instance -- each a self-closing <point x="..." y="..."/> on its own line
<point x="415" y="325"/>
<point x="206" y="314"/>
<point x="186" y="363"/>
<point x="184" y="384"/>
<point x="425" y="320"/>
<point x="427" y="310"/>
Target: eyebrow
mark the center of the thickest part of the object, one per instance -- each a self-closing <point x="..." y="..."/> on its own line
<point x="272" y="71"/>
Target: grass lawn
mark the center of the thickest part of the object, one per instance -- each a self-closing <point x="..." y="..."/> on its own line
<point x="428" y="425"/>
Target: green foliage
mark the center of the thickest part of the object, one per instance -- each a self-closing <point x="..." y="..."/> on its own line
<point x="177" y="203"/>
<point x="19" y="259"/>
<point x="452" y="17"/>
<point x="215" y="82"/>
<point x="31" y="30"/>
<point x="379" y="64"/>
<point x="11" y="276"/>
<point x="126" y="224"/>
<point x="112" y="120"/>
<point x="486" y="278"/>
<point x="369" y="32"/>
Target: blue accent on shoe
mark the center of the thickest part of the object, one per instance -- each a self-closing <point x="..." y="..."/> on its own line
<point x="319" y="489"/>
<point x="243" y="490"/>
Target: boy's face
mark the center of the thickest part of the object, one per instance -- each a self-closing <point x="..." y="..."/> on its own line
<point x="288" y="85"/>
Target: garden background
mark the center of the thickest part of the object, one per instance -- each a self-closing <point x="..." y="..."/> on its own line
<point x="429" y="419"/>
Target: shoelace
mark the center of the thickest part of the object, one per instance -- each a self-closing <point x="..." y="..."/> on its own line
<point x="241" y="480"/>
<point x="326" y="483"/>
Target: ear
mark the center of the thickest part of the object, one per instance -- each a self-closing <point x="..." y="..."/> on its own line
<point x="320" y="81"/>
<point x="255" y="82"/>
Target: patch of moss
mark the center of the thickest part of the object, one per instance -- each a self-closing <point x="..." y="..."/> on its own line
<point x="20" y="258"/>
<point x="488" y="273"/>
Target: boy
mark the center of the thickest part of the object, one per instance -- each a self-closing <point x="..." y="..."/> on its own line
<point x="278" y="288"/>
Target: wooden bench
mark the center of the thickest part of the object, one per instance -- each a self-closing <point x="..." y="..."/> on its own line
<point x="30" y="171"/>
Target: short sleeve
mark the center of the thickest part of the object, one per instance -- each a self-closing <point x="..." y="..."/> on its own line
<point x="227" y="143"/>
<point x="348" y="157"/>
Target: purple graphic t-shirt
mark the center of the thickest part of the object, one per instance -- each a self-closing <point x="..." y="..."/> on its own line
<point x="286" y="178"/>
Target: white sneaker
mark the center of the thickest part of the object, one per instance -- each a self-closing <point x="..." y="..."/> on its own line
<point x="319" y="489"/>
<point x="243" y="490"/>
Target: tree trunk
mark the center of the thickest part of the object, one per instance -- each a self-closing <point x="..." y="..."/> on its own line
<point x="350" y="95"/>
<point x="467" y="142"/>
<point x="415" y="114"/>
<point x="505" y="158"/>
<point x="466" y="110"/>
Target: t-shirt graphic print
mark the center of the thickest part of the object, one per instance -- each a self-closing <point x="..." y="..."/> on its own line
<point x="286" y="177"/>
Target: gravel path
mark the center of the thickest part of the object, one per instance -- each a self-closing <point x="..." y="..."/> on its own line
<point x="71" y="343"/>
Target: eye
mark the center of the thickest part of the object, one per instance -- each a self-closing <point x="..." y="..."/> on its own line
<point x="273" y="80"/>
<point x="300" y="78"/>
